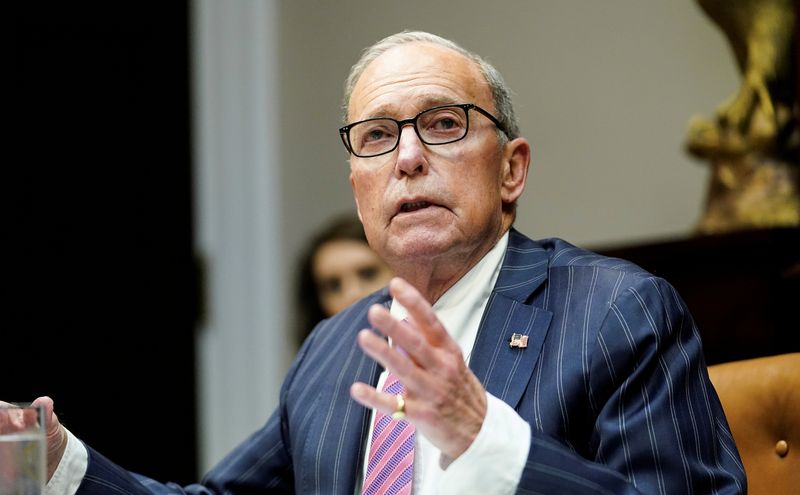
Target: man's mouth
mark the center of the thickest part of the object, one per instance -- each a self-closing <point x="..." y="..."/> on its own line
<point x="414" y="206"/>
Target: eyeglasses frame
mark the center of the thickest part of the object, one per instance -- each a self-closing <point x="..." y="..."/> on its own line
<point x="344" y="132"/>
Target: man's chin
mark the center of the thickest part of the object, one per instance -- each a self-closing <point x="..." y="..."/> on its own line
<point x="418" y="244"/>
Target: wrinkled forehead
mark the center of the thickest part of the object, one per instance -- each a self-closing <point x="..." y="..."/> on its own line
<point x="409" y="78"/>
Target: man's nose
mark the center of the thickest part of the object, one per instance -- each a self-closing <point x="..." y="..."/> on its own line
<point x="411" y="158"/>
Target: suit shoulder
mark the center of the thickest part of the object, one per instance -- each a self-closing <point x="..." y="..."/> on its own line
<point x="563" y="254"/>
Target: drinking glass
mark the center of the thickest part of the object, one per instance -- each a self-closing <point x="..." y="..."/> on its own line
<point x="22" y="449"/>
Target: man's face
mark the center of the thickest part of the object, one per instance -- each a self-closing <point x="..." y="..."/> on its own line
<point x="420" y="202"/>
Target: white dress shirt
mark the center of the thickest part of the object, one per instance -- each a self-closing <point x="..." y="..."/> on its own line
<point x="491" y="465"/>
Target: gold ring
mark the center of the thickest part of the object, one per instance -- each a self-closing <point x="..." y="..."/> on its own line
<point x="400" y="412"/>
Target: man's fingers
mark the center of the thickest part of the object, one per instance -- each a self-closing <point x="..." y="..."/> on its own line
<point x="56" y="435"/>
<point x="404" y="335"/>
<point x="421" y="314"/>
<point x="369" y="397"/>
<point x="418" y="382"/>
<point x="50" y="417"/>
<point x="398" y="362"/>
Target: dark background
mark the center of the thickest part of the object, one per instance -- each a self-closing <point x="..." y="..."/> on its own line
<point x="742" y="288"/>
<point x="99" y="306"/>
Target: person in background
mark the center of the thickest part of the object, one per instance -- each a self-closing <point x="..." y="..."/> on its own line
<point x="337" y="269"/>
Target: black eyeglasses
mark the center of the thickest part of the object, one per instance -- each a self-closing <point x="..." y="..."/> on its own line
<point x="438" y="125"/>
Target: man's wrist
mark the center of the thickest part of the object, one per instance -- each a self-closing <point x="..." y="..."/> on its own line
<point x="71" y="469"/>
<point x="495" y="459"/>
<point x="54" y="457"/>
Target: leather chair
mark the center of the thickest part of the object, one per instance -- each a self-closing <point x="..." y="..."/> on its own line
<point x="761" y="399"/>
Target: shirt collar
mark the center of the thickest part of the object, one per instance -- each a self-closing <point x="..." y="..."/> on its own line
<point x="470" y="291"/>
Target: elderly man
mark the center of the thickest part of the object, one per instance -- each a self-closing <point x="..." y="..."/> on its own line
<point x="493" y="363"/>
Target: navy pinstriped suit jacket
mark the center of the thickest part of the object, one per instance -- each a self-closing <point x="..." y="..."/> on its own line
<point x="613" y="384"/>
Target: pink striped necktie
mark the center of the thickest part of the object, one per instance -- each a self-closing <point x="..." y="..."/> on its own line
<point x="390" y="465"/>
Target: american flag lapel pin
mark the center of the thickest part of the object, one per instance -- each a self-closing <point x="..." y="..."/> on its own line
<point x="518" y="340"/>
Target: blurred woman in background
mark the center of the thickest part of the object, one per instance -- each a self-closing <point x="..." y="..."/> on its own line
<point x="337" y="269"/>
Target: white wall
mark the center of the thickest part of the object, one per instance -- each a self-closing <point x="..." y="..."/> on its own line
<point x="243" y="346"/>
<point x="604" y="91"/>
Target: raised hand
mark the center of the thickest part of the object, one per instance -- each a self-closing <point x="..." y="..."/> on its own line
<point x="443" y="398"/>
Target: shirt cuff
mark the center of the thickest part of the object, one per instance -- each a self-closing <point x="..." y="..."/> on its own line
<point x="496" y="458"/>
<point x="71" y="470"/>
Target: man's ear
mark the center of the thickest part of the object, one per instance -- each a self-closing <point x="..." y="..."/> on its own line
<point x="516" y="159"/>
<point x="355" y="197"/>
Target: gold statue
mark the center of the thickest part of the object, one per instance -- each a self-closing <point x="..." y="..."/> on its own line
<point x="754" y="138"/>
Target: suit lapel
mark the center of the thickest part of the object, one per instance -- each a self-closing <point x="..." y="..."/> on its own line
<point x="504" y="370"/>
<point x="340" y="426"/>
<point x="367" y="372"/>
<point x="354" y="431"/>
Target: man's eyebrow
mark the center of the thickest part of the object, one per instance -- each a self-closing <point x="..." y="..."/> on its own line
<point x="425" y="103"/>
<point x="381" y="111"/>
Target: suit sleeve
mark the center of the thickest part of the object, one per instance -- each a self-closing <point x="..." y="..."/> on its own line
<point x="260" y="464"/>
<point x="658" y="424"/>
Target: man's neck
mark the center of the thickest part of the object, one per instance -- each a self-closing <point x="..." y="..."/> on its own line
<point x="436" y="276"/>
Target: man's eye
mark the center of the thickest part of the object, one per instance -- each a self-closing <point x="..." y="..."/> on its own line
<point x="375" y="132"/>
<point x="375" y="135"/>
<point x="444" y="124"/>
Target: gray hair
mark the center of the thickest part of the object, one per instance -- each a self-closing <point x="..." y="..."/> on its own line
<point x="500" y="92"/>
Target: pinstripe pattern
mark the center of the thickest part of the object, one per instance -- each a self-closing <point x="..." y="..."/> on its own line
<point x="613" y="383"/>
